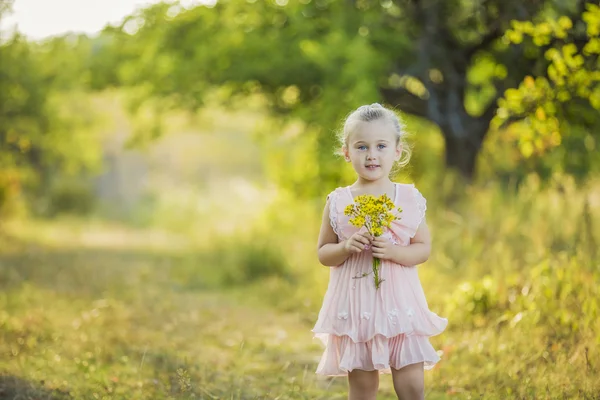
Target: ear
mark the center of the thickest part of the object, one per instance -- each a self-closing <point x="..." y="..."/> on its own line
<point x="398" y="151"/>
<point x="346" y="153"/>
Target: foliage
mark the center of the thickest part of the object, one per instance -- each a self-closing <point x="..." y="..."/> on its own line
<point x="46" y="122"/>
<point x="560" y="108"/>
<point x="70" y="196"/>
<point x="252" y="261"/>
<point x="331" y="57"/>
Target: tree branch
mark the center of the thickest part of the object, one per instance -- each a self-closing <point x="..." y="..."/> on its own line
<point x="405" y="101"/>
<point x="486" y="40"/>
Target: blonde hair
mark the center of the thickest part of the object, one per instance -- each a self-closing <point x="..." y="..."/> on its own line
<point x="374" y="112"/>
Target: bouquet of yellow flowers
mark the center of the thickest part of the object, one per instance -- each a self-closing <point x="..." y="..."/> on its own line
<point x="375" y="214"/>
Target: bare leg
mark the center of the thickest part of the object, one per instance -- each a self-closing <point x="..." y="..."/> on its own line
<point x="409" y="382"/>
<point x="363" y="385"/>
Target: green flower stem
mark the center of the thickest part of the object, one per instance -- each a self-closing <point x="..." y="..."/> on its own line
<point x="376" y="262"/>
<point x="376" y="278"/>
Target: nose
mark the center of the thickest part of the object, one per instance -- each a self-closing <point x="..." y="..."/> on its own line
<point x="370" y="155"/>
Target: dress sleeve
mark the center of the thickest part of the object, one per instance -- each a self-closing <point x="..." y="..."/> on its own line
<point x="333" y="217"/>
<point x="413" y="206"/>
<point x="421" y="205"/>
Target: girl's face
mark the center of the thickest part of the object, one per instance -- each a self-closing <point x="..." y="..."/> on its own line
<point x="372" y="149"/>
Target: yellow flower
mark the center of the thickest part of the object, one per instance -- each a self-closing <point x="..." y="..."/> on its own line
<point x="374" y="213"/>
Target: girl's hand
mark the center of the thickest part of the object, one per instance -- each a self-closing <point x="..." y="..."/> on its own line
<point x="382" y="248"/>
<point x="357" y="242"/>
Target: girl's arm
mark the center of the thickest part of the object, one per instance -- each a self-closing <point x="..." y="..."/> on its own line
<point x="331" y="252"/>
<point x="419" y="249"/>
<point x="417" y="252"/>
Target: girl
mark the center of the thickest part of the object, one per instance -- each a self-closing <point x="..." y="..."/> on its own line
<point x="368" y="331"/>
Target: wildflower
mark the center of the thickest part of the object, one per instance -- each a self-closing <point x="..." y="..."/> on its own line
<point x="375" y="214"/>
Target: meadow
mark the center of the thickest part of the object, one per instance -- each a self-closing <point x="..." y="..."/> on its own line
<point x="97" y="309"/>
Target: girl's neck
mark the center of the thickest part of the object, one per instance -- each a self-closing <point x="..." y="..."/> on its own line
<point x="378" y="185"/>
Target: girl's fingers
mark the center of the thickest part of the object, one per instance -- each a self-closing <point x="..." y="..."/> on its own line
<point x="363" y="236"/>
<point x="361" y="239"/>
<point x="356" y="249"/>
<point x="379" y="251"/>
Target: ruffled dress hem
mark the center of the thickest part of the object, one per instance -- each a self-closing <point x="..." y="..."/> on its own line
<point x="342" y="355"/>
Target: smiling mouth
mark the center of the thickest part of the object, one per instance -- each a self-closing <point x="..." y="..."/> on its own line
<point x="372" y="166"/>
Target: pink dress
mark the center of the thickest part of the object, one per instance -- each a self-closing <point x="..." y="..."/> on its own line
<point x="374" y="329"/>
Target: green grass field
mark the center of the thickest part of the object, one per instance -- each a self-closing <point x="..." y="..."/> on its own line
<point x="92" y="310"/>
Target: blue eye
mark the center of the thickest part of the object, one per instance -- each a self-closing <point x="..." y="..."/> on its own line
<point x="382" y="146"/>
<point x="362" y="147"/>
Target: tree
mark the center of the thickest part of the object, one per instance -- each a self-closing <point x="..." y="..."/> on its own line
<point x="558" y="111"/>
<point x="318" y="59"/>
<point x="44" y="121"/>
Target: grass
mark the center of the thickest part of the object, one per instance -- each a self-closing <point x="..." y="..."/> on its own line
<point x="97" y="310"/>
<point x="84" y="322"/>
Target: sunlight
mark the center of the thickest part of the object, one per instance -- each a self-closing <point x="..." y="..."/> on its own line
<point x="38" y="19"/>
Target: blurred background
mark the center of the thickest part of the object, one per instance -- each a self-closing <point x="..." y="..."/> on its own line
<point x="164" y="166"/>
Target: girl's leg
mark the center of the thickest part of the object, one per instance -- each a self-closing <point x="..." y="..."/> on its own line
<point x="363" y="385"/>
<point x="409" y="382"/>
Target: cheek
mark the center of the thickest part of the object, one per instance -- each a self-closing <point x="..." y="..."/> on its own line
<point x="354" y="153"/>
<point x="389" y="152"/>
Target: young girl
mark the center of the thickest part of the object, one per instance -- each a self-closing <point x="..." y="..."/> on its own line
<point x="368" y="331"/>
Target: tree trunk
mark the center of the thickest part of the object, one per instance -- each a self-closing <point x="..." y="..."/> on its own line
<point x="463" y="133"/>
<point x="461" y="153"/>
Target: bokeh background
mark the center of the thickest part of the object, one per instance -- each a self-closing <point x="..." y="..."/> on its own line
<point x="163" y="175"/>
